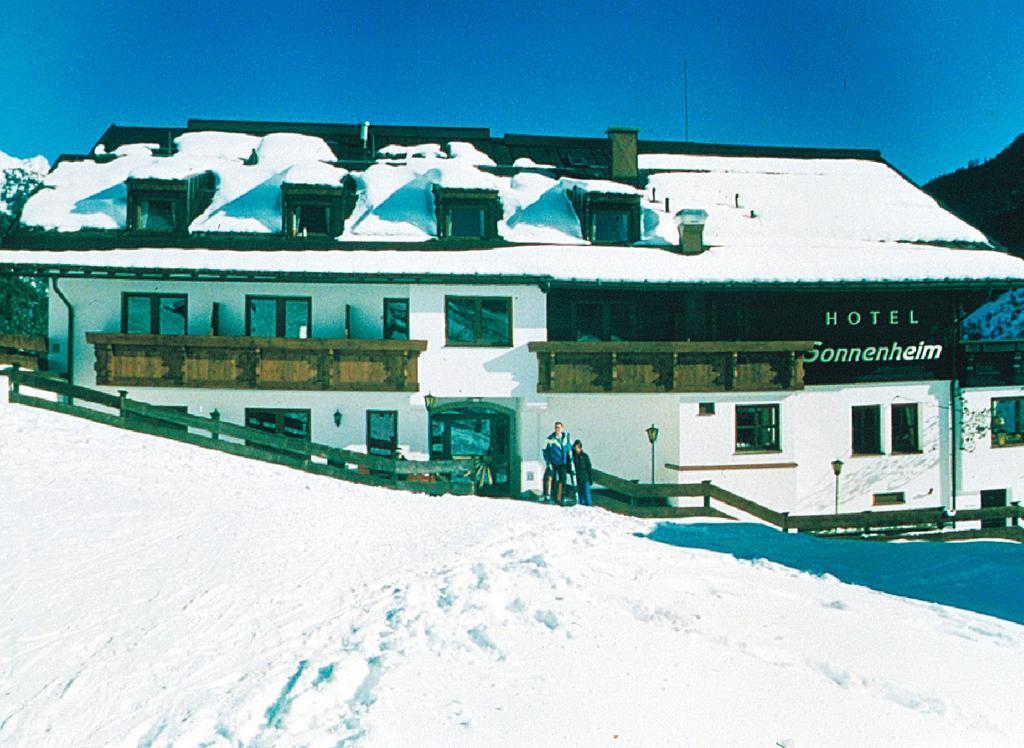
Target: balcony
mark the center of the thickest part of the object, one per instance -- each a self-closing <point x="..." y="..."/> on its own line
<point x="619" y="367"/>
<point x="246" y="363"/>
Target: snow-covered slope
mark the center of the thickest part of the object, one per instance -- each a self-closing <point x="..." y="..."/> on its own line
<point x="999" y="319"/>
<point x="153" y="593"/>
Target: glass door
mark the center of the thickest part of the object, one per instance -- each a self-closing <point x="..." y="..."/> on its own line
<point x="482" y="434"/>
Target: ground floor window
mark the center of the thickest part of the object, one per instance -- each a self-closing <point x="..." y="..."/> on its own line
<point x="891" y="498"/>
<point x="867" y="429"/>
<point x="290" y="423"/>
<point x="1007" y="421"/>
<point x="382" y="432"/>
<point x="906" y="436"/>
<point x="757" y="428"/>
<point x="154" y="314"/>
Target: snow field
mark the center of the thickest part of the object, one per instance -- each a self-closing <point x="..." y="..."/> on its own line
<point x="153" y="593"/>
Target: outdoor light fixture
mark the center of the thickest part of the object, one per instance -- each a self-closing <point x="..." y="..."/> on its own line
<point x="837" y="468"/>
<point x="337" y="418"/>
<point x="430" y="401"/>
<point x="652" y="436"/>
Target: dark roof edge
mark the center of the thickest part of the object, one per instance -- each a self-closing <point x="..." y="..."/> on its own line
<point x="545" y="281"/>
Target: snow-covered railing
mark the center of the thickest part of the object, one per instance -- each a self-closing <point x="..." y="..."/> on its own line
<point x="898" y="522"/>
<point x="433" y="476"/>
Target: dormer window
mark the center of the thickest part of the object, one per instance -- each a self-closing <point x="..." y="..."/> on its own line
<point x="608" y="217"/>
<point x="155" y="215"/>
<point x="311" y="219"/>
<point x="167" y="206"/>
<point x="467" y="214"/>
<point x="314" y="210"/>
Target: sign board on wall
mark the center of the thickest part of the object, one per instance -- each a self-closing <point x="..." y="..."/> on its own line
<point x="878" y="340"/>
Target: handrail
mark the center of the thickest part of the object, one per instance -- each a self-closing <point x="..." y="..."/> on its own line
<point x="865" y="521"/>
<point x="137" y="415"/>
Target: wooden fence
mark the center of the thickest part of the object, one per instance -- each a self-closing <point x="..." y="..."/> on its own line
<point x="897" y="522"/>
<point x="25" y="351"/>
<point x="432" y="477"/>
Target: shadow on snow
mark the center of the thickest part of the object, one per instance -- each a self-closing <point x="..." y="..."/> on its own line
<point x="983" y="576"/>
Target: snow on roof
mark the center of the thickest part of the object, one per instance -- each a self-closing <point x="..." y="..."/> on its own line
<point x="799" y="200"/>
<point x="787" y="203"/>
<point x="837" y="262"/>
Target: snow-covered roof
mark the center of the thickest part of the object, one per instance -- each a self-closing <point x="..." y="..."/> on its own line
<point x="757" y="199"/>
<point x="843" y="262"/>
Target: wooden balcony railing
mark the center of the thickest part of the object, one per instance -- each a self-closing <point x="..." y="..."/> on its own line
<point x="751" y="366"/>
<point x="26" y="351"/>
<point x="256" y="363"/>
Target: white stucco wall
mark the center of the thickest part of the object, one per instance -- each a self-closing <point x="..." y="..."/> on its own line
<point x="985" y="465"/>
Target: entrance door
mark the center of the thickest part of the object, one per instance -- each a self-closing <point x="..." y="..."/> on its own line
<point x="990" y="498"/>
<point x="476" y="432"/>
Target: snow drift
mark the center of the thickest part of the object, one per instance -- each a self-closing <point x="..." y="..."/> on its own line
<point x="159" y="594"/>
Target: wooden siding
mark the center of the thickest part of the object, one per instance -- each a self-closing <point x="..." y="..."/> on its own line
<point x="26" y="351"/>
<point x="256" y="363"/>
<point x="670" y="367"/>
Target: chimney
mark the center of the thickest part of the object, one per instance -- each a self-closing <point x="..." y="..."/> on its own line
<point x="691" y="231"/>
<point x="624" y="149"/>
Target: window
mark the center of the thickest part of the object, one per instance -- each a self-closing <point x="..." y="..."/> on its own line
<point x="888" y="499"/>
<point x="166" y="206"/>
<point x="757" y="428"/>
<point x="705" y="409"/>
<point x="311" y="219"/>
<point x="466" y="214"/>
<point x="467" y="222"/>
<point x="154" y="215"/>
<point x="318" y="210"/>
<point x="396" y="319"/>
<point x="291" y="423"/>
<point x="382" y="432"/>
<point x="905" y="436"/>
<point x="867" y="429"/>
<point x="277" y="317"/>
<point x="478" y="321"/>
<point x="154" y="314"/>
<point x="1007" y="421"/>
<point x="607" y="217"/>
<point x="604" y="321"/>
<point x="610" y="226"/>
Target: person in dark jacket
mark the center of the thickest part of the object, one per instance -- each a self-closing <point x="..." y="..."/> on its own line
<point x="584" y="473"/>
<point x="558" y="461"/>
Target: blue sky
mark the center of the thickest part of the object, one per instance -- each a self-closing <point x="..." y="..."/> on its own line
<point x="930" y="84"/>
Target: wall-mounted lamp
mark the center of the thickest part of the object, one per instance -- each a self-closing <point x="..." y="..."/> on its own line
<point x="430" y="401"/>
<point x="337" y="418"/>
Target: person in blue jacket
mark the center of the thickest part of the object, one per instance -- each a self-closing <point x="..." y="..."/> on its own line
<point x="558" y="460"/>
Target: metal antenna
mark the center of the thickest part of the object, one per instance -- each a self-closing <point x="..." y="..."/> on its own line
<point x="686" y="102"/>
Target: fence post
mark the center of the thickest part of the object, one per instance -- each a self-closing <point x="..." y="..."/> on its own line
<point x="1015" y="516"/>
<point x="705" y="486"/>
<point x="215" y="426"/>
<point x="785" y="521"/>
<point x="12" y="382"/>
<point x="122" y="395"/>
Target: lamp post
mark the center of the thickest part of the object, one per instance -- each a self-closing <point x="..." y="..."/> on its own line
<point x="652" y="436"/>
<point x="837" y="468"/>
